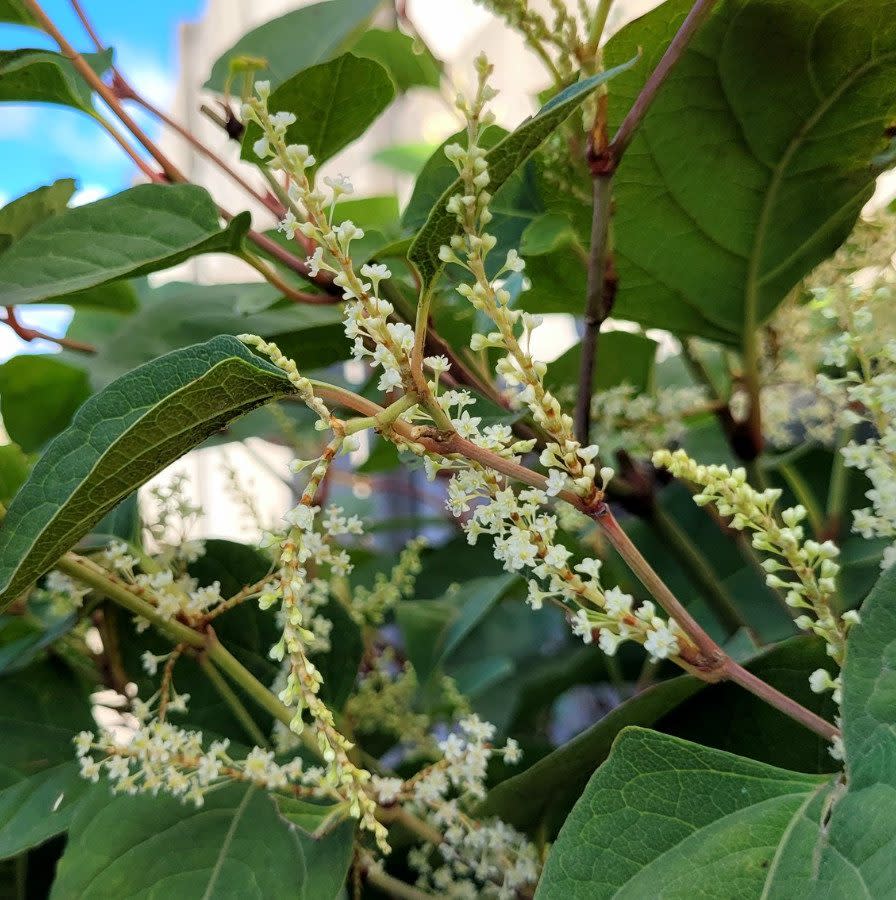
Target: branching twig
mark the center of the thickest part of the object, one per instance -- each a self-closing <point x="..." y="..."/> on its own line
<point x="32" y="334"/>
<point x="603" y="159"/>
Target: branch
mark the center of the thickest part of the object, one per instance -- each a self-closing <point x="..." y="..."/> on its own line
<point x="694" y="19"/>
<point x="603" y="160"/>
<point x="705" y="659"/>
<point x="172" y="173"/>
<point x="32" y="334"/>
<point x="601" y="293"/>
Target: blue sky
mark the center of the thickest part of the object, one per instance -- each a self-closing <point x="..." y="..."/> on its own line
<point x="39" y="144"/>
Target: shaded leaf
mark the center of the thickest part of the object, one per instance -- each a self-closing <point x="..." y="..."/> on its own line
<point x="16" y="12"/>
<point x="295" y="41"/>
<point x="60" y="387"/>
<point x="623" y="358"/>
<point x="334" y="103"/>
<point x="408" y="159"/>
<point x="178" y="314"/>
<point x="140" y="230"/>
<point x="753" y="162"/>
<point x="119" y="439"/>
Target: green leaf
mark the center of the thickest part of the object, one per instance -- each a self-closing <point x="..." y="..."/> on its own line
<point x="667" y="814"/>
<point x="544" y="792"/>
<point x="42" y="76"/>
<point x="334" y="102"/>
<point x="379" y="212"/>
<point x="16" y="12"/>
<point x="398" y="54"/>
<point x="295" y="41"/>
<point x="60" y="387"/>
<point x="434" y="629"/>
<point x="13" y="471"/>
<point x="119" y="439"/>
<point x="140" y="230"/>
<point x="235" y="845"/>
<point x="20" y="215"/>
<point x="724" y="716"/>
<point x="112" y="297"/>
<point x="41" y="709"/>
<point x="339" y="665"/>
<point x="844" y="845"/>
<point x="177" y="314"/>
<point x="753" y="162"/>
<point x="546" y="233"/>
<point x="503" y="160"/>
<point x="38" y="808"/>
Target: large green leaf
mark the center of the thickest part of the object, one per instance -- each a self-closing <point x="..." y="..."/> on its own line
<point x="20" y="215"/>
<point x="665" y="817"/>
<point x="844" y="846"/>
<point x="295" y="41"/>
<point x="235" y="845"/>
<point x="178" y="314"/>
<point x="119" y="439"/>
<point x="140" y="230"/>
<point x="754" y="160"/>
<point x="723" y="716"/>
<point x="42" y="76"/>
<point x="61" y="388"/>
<point x="41" y="709"/>
<point x="545" y="791"/>
<point x="503" y="160"/>
<point x="334" y="103"/>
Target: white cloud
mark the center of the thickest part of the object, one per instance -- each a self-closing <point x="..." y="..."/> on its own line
<point x="88" y="194"/>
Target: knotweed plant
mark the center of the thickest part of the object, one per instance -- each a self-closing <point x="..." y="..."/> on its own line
<point x="668" y="529"/>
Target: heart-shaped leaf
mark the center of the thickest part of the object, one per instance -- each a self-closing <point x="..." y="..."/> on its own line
<point x="753" y="162"/>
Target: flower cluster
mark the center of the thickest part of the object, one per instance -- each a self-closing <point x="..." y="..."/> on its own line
<point x="524" y="538"/>
<point x="174" y="512"/>
<point x="572" y="464"/>
<point x="475" y="859"/>
<point x="556" y="42"/>
<point x="387" y="344"/>
<point x="803" y="568"/>
<point x="160" y="757"/>
<point x="866" y="395"/>
<point x="64" y="594"/>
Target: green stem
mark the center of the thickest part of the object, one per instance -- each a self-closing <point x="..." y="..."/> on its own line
<point x="804" y="495"/>
<point x="236" y="705"/>
<point x="837" y="487"/>
<point x="598" y="23"/>
<point x="699" y="569"/>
